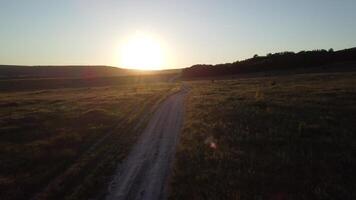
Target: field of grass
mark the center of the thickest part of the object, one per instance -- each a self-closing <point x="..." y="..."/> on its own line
<point x="28" y="84"/>
<point x="66" y="143"/>
<point x="290" y="137"/>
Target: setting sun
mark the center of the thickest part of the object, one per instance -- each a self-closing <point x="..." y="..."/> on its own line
<point x="143" y="52"/>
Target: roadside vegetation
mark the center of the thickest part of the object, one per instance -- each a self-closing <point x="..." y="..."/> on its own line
<point x="66" y="143"/>
<point x="288" y="137"/>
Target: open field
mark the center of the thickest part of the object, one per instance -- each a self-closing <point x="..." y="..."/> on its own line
<point x="28" y="84"/>
<point x="288" y="137"/>
<point x="74" y="71"/>
<point x="282" y="137"/>
<point x="66" y="143"/>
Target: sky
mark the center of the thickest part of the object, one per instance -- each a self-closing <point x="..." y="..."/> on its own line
<point x="90" y="32"/>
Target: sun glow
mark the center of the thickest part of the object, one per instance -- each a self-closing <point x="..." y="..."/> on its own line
<point x="142" y="51"/>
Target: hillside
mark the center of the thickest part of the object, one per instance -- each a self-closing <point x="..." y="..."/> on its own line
<point x="304" y="61"/>
<point x="24" y="72"/>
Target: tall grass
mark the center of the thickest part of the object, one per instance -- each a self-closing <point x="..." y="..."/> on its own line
<point x="250" y="139"/>
<point x="66" y="143"/>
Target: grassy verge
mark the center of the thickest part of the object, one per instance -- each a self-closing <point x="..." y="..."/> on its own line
<point x="66" y="143"/>
<point x="289" y="137"/>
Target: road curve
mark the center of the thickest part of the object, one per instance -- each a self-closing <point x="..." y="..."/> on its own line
<point x="143" y="175"/>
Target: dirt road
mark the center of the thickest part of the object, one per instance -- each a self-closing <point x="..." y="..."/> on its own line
<point x="144" y="173"/>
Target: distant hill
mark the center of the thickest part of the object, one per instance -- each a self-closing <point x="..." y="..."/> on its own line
<point x="24" y="72"/>
<point x="12" y="71"/>
<point x="304" y="61"/>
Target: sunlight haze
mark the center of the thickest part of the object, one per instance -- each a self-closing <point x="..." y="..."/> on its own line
<point x="142" y="51"/>
<point x="67" y="32"/>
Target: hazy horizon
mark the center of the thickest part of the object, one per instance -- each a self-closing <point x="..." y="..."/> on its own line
<point x="188" y="32"/>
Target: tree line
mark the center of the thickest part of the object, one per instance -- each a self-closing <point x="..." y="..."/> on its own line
<point x="281" y="61"/>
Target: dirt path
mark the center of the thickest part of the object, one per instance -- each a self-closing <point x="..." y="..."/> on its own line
<point x="143" y="175"/>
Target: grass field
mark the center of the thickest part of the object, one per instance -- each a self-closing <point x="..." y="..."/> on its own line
<point x="289" y="137"/>
<point x="29" y="84"/>
<point x="66" y="143"/>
